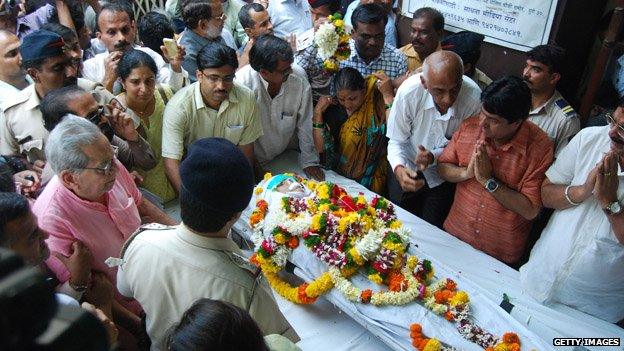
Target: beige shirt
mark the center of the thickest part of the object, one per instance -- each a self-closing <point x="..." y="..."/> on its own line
<point x="7" y="91"/>
<point x="166" y="269"/>
<point x="558" y="119"/>
<point x="481" y="79"/>
<point x="187" y="118"/>
<point x="21" y="126"/>
<point x="413" y="59"/>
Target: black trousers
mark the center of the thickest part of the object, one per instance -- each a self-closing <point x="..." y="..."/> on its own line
<point x="430" y="204"/>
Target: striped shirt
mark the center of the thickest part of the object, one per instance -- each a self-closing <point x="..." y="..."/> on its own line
<point x="476" y="217"/>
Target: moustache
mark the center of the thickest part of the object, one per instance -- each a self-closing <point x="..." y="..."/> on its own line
<point x="70" y="81"/>
<point x="121" y="45"/>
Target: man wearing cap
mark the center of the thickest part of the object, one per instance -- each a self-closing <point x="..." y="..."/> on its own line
<point x="21" y="124"/>
<point x="467" y="45"/>
<point x="72" y="48"/>
<point x="549" y="110"/>
<point x="428" y="108"/>
<point x="426" y="32"/>
<point x="214" y="106"/>
<point x="197" y="259"/>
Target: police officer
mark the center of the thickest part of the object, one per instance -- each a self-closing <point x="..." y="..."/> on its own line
<point x="467" y="45"/>
<point x="550" y="111"/>
<point x="166" y="269"/>
<point x="21" y="124"/>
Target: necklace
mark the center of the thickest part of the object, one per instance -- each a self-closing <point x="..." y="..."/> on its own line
<point x="146" y="108"/>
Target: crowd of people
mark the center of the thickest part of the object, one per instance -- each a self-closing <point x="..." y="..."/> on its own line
<point x="98" y="132"/>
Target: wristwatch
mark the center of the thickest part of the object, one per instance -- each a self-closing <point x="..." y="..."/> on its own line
<point x="613" y="208"/>
<point x="491" y="185"/>
<point x="78" y="288"/>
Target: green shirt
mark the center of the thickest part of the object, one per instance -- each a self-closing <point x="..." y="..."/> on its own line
<point x="187" y="118"/>
<point x="155" y="180"/>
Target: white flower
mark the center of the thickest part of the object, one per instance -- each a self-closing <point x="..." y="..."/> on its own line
<point x="326" y="40"/>
<point x="369" y="244"/>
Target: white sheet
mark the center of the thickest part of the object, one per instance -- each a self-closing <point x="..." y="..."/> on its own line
<point x="486" y="276"/>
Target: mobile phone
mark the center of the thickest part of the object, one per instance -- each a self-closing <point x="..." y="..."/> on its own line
<point x="172" y="47"/>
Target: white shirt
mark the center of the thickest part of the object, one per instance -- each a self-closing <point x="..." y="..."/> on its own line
<point x="7" y="91"/>
<point x="414" y="120"/>
<point x="578" y="261"/>
<point x="290" y="17"/>
<point x="288" y="112"/>
<point x="95" y="68"/>
<point x="228" y="38"/>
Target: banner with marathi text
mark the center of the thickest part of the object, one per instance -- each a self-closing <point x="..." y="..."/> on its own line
<point x="516" y="24"/>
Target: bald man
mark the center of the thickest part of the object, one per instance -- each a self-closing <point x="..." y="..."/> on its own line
<point x="428" y="108"/>
<point x="12" y="77"/>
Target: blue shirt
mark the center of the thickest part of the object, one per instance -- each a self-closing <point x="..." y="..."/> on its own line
<point x="192" y="43"/>
<point x="390" y="30"/>
<point x="290" y="17"/>
<point x="391" y="61"/>
<point x="618" y="76"/>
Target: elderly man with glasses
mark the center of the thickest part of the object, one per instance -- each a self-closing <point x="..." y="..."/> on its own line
<point x="579" y="259"/>
<point x="91" y="199"/>
<point x="205" y="22"/>
<point x="214" y="106"/>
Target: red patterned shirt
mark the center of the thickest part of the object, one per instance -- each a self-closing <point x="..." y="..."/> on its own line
<point x="476" y="217"/>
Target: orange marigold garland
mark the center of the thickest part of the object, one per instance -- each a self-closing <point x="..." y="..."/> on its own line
<point x="510" y="342"/>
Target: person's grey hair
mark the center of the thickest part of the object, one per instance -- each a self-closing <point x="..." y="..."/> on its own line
<point x="64" y="149"/>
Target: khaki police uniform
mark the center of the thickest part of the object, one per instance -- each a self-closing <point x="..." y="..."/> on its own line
<point x="21" y="126"/>
<point x="21" y="123"/>
<point x="166" y="269"/>
<point x="558" y="119"/>
<point x="481" y="79"/>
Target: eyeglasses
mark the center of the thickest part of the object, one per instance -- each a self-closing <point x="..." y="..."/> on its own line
<point x="106" y="170"/>
<point x="614" y="123"/>
<point x="285" y="72"/>
<point x="212" y="78"/>
<point x="220" y="18"/>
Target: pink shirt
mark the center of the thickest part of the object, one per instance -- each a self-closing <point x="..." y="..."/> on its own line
<point x="102" y="228"/>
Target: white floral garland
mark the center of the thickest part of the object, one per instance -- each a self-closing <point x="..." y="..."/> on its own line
<point x="326" y="40"/>
<point x="382" y="298"/>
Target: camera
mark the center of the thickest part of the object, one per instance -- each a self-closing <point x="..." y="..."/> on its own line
<point x="32" y="319"/>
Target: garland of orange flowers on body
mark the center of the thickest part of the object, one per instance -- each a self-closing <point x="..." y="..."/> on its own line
<point x="350" y="234"/>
